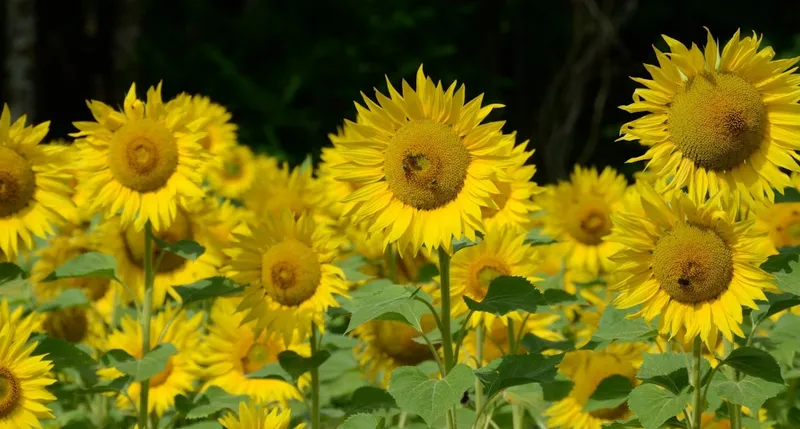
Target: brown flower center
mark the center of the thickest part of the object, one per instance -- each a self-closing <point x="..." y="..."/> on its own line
<point x="181" y="229"/>
<point x="17" y="182"/>
<point x="143" y="155"/>
<point x="10" y="393"/>
<point x="291" y="272"/>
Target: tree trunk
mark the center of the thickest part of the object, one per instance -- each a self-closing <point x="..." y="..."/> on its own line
<point x="20" y="26"/>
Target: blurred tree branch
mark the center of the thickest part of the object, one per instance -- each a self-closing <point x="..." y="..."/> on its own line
<point x="20" y="62"/>
<point x="587" y="71"/>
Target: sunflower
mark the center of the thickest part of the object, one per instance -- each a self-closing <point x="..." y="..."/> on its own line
<point x="280" y="187"/>
<point x="782" y="222"/>
<point x="694" y="265"/>
<point x="495" y="341"/>
<point x="257" y="417"/>
<point x="579" y="212"/>
<point x="75" y="325"/>
<point x="679" y="343"/>
<point x="231" y="351"/>
<point x="213" y="119"/>
<point x="719" y="122"/>
<point x="514" y="202"/>
<point x="127" y="246"/>
<point x="500" y="253"/>
<point x="550" y="260"/>
<point x="584" y="320"/>
<point x="586" y="369"/>
<point x="34" y="191"/>
<point x="334" y="191"/>
<point x="286" y="265"/>
<point x="370" y="246"/>
<point x="182" y="368"/>
<point x="141" y="161"/>
<point x="23" y="380"/>
<point x="388" y="345"/>
<point x="425" y="164"/>
<point x="67" y="245"/>
<point x="220" y="218"/>
<point x="29" y="323"/>
<point x="235" y="174"/>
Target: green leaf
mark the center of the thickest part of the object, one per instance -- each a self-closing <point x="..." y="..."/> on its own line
<point x="750" y="392"/>
<point x="209" y="288"/>
<point x="62" y="353"/>
<point x="534" y="344"/>
<point x="632" y="422"/>
<point x="67" y="299"/>
<point x="296" y="365"/>
<point x="465" y="419"/>
<point x="516" y="370"/>
<point x="151" y="364"/>
<point x="10" y="272"/>
<point x="558" y="296"/>
<point x="384" y="300"/>
<point x="557" y="389"/>
<point x="535" y="237"/>
<point x="756" y="363"/>
<point x="90" y="264"/>
<point x="614" y="326"/>
<point x="186" y="249"/>
<point x="783" y="261"/>
<point x="352" y="268"/>
<point x="777" y="303"/>
<point x="271" y="371"/>
<point x="115" y="385"/>
<point x="507" y="294"/>
<point x="360" y="421"/>
<point x="214" y="400"/>
<point x="609" y="394"/>
<point x="788" y="280"/>
<point x="427" y="272"/>
<point x="654" y="405"/>
<point x="667" y="370"/>
<point x="369" y="398"/>
<point x="429" y="398"/>
<point x="463" y="243"/>
<point x="342" y="342"/>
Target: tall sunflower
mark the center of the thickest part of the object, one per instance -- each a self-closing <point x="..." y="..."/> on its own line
<point x="719" y="122"/>
<point x="425" y="163"/>
<point x="495" y="341"/>
<point x="140" y="162"/>
<point x="34" y="191"/>
<point x="182" y="369"/>
<point x="281" y="187"/>
<point x="286" y="265"/>
<point x="515" y="203"/>
<point x="694" y="265"/>
<point x="68" y="244"/>
<point x="388" y="345"/>
<point x="126" y="244"/>
<point x="578" y="213"/>
<point x="257" y="417"/>
<point x="234" y="174"/>
<point x="23" y="380"/>
<point x="211" y="118"/>
<point x="781" y="222"/>
<point x="586" y="369"/>
<point x="500" y="253"/>
<point x="29" y="322"/>
<point x="232" y="350"/>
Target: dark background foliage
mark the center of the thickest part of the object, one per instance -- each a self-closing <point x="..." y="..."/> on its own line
<point x="290" y="70"/>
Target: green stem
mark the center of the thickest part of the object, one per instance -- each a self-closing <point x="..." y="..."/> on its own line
<point x="447" y="339"/>
<point x="479" y="394"/>
<point x="517" y="416"/>
<point x="462" y="334"/>
<point x="315" y="417"/>
<point x="402" y="422"/>
<point x="147" y="309"/>
<point x="697" y="354"/>
<point x="391" y="261"/>
<point x="512" y="337"/>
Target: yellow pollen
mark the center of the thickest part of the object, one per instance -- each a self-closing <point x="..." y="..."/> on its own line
<point x="143" y="155"/>
<point x="10" y="393"/>
<point x="69" y="324"/>
<point x="181" y="229"/>
<point x="426" y="165"/>
<point x="481" y="274"/>
<point x="692" y="264"/>
<point x="717" y="120"/>
<point x="589" y="222"/>
<point x="290" y="272"/>
<point x="396" y="339"/>
<point x="17" y="182"/>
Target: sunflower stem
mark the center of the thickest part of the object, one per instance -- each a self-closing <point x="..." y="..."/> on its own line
<point x="479" y="397"/>
<point x="517" y="416"/>
<point x="697" y="355"/>
<point x="391" y="262"/>
<point x="315" y="417"/>
<point x="147" y="309"/>
<point x="512" y="337"/>
<point x="447" y="339"/>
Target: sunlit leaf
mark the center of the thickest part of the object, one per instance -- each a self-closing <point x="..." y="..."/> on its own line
<point x="515" y="370"/>
<point x="186" y="249"/>
<point x="67" y="299"/>
<point x="609" y="394"/>
<point x="296" y="365"/>
<point x="209" y="288"/>
<point x="756" y="363"/>
<point x="654" y="405"/>
<point x="507" y="294"/>
<point x="427" y="397"/>
<point x="151" y="364"/>
<point x="90" y="264"/>
<point x="386" y="301"/>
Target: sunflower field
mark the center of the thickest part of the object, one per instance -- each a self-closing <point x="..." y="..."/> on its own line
<point x="156" y="273"/>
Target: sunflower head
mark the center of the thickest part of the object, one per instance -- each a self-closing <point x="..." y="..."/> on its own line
<point x="423" y="159"/>
<point x="211" y="118"/>
<point x="782" y="222"/>
<point x="286" y="265"/>
<point x="142" y="160"/>
<point x="257" y="417"/>
<point x="578" y="213"/>
<point x="280" y="187"/>
<point x="695" y="265"/>
<point x="234" y="173"/>
<point x="718" y="121"/>
<point x="514" y="202"/>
